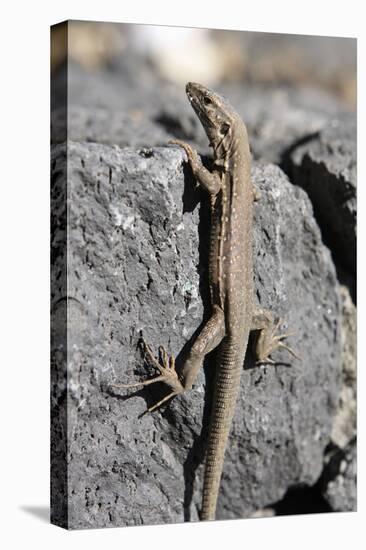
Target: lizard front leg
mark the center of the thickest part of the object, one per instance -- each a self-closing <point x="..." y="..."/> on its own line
<point x="268" y="339"/>
<point x="208" y="339"/>
<point x="209" y="180"/>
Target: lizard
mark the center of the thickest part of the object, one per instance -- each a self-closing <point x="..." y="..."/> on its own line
<point x="233" y="310"/>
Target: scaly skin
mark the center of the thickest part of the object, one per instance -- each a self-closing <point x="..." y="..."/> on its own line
<point x="234" y="314"/>
<point x="231" y="283"/>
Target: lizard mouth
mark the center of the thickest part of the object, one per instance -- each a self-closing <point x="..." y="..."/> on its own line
<point x="191" y="97"/>
<point x="194" y="91"/>
<point x="196" y="94"/>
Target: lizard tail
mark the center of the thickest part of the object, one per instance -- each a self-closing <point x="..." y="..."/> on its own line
<point x="226" y="391"/>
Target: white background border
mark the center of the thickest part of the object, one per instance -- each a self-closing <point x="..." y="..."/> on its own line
<point x="24" y="271"/>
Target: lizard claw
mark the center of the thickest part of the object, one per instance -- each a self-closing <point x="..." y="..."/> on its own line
<point x="190" y="152"/>
<point x="269" y="341"/>
<point x="168" y="374"/>
<point x="178" y="142"/>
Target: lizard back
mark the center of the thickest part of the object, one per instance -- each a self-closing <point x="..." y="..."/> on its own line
<point x="231" y="282"/>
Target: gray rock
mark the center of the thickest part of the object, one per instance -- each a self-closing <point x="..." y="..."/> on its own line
<point x="114" y="108"/>
<point x="130" y="128"/>
<point x="277" y="117"/>
<point x="340" y="480"/>
<point x="59" y="442"/>
<point x="325" y="166"/>
<point x="137" y="266"/>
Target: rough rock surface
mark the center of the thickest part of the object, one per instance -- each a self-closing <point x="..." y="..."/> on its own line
<point x="340" y="480"/>
<point x="59" y="495"/>
<point x="325" y="166"/>
<point x="137" y="265"/>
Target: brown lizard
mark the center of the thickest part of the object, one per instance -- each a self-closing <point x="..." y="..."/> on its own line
<point x="234" y="313"/>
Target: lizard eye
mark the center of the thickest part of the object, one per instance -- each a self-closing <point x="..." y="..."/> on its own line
<point x="207" y="100"/>
<point x="224" y="128"/>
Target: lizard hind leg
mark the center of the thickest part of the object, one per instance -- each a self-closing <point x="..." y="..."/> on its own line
<point x="165" y="365"/>
<point x="268" y="339"/>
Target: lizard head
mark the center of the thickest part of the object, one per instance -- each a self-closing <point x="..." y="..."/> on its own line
<point x="215" y="113"/>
